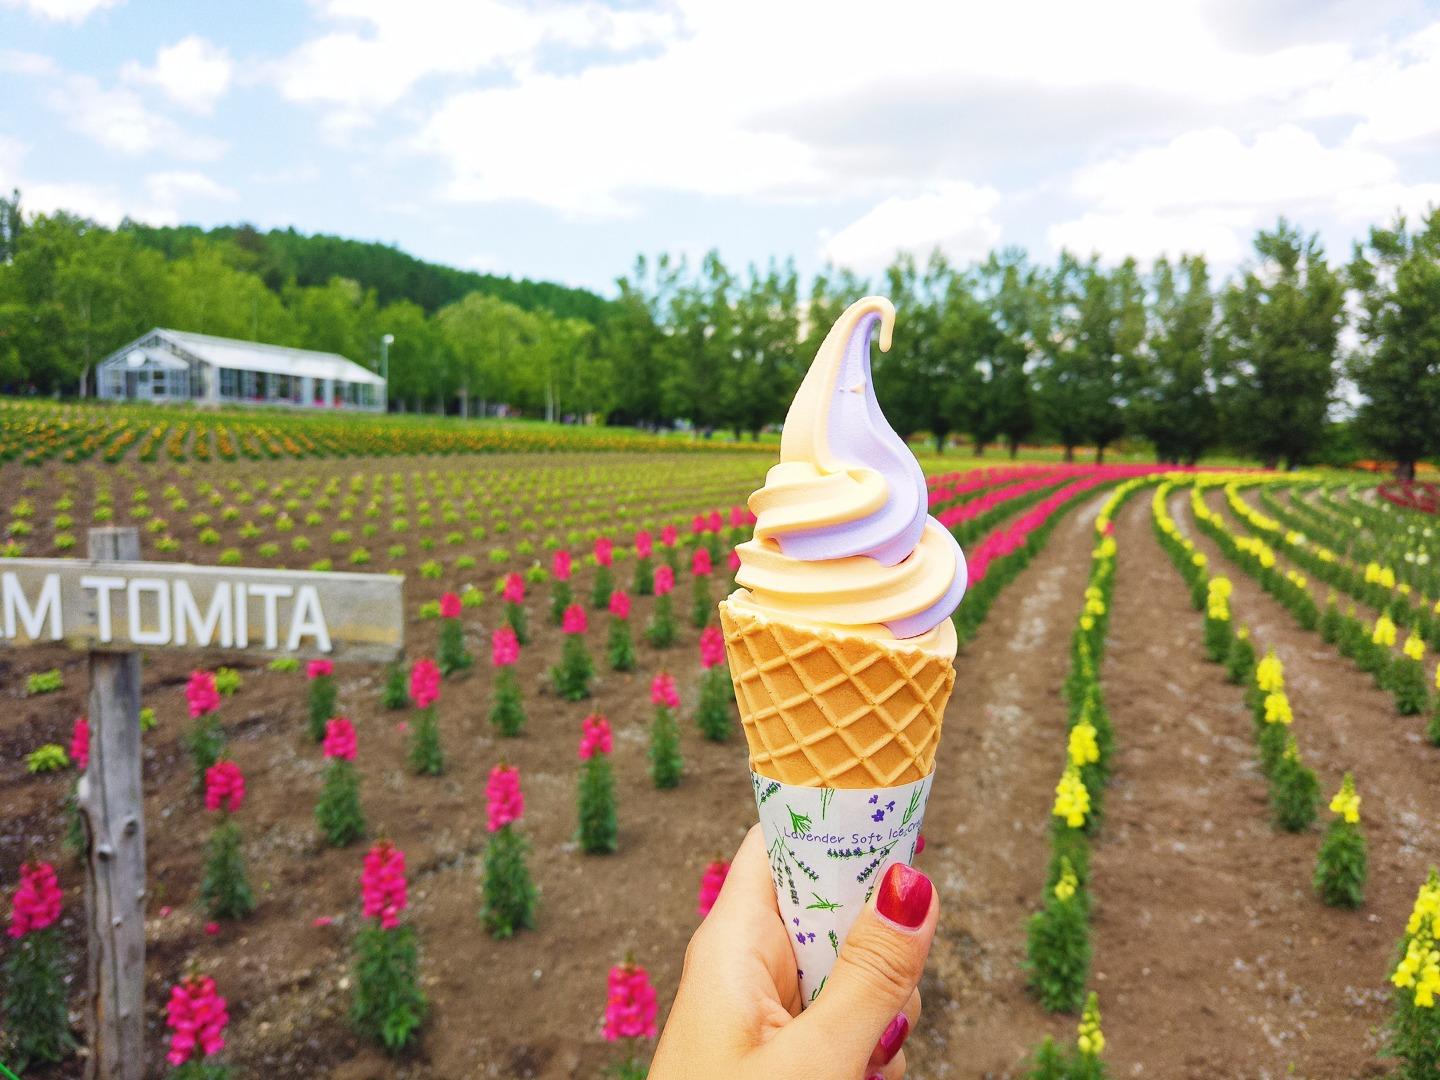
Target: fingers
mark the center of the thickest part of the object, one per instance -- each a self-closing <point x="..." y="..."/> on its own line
<point x="895" y="1033"/>
<point x="748" y="890"/>
<point x="877" y="972"/>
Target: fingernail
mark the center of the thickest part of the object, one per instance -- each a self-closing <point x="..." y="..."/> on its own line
<point x="892" y="1039"/>
<point x="904" y="896"/>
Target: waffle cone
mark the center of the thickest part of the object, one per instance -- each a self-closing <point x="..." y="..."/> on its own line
<point x="827" y="709"/>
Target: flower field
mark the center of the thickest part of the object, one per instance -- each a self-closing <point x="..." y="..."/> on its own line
<point x="1182" y="806"/>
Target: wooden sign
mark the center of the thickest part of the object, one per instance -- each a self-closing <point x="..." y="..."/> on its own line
<point x="104" y="605"/>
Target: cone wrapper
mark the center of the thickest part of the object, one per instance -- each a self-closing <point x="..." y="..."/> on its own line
<point x="828" y="850"/>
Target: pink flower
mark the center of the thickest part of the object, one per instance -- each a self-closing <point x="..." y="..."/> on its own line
<point x="700" y="565"/>
<point x="340" y="742"/>
<point x="201" y="695"/>
<point x="80" y="743"/>
<point x="36" y="903"/>
<point x="224" y="787"/>
<point x="664" y="580"/>
<point x="715" y="522"/>
<point x="316" y="668"/>
<point x="165" y="911"/>
<point x="710" y="883"/>
<point x="503" y="801"/>
<point x="504" y="647"/>
<point x="644" y="545"/>
<point x="734" y="561"/>
<point x="620" y="604"/>
<point x="596" y="737"/>
<point x="604" y="550"/>
<point x="424" y="682"/>
<point x="382" y="885"/>
<point x="668" y="536"/>
<point x="712" y="647"/>
<point x="211" y="929"/>
<point x="663" y="691"/>
<point x="697" y="524"/>
<point x="560" y="565"/>
<point x="630" y="1004"/>
<point x="449" y="605"/>
<point x="322" y="921"/>
<point x="574" y="620"/>
<point x="197" y="1016"/>
<point x="737" y="516"/>
<point x="514" y="592"/>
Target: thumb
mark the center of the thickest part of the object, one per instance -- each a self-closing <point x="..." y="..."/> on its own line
<point x="878" y="969"/>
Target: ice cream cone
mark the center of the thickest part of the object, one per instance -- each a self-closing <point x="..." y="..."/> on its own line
<point x="822" y="708"/>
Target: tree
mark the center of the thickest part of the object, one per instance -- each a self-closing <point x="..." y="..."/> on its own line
<point x="766" y="367"/>
<point x="1281" y="321"/>
<point x="1019" y="305"/>
<point x="1397" y="368"/>
<point x="1175" y="404"/>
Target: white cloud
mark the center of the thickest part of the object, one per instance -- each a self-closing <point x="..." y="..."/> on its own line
<point x="119" y="120"/>
<point x="955" y="217"/>
<point x="170" y="188"/>
<point x="35" y="65"/>
<point x="71" y="11"/>
<point x="1392" y="95"/>
<point x="1209" y="190"/>
<point x="398" y="45"/>
<point x="193" y="73"/>
<point x="725" y="108"/>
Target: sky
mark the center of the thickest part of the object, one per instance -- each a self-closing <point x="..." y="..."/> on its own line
<point x="558" y="140"/>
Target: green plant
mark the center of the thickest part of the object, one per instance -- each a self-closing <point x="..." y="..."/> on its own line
<point x="44" y="682"/>
<point x="396" y="692"/>
<point x="1058" y="945"/>
<point x="1341" y="863"/>
<point x="1414" y="1028"/>
<point x="227" y="681"/>
<point x="453" y="656"/>
<point x="620" y="649"/>
<point x="599" y="829"/>
<point x="34" y="1003"/>
<point x="660" y="631"/>
<point x="666" y="764"/>
<point x="712" y="715"/>
<point x="338" y="812"/>
<point x="321" y="705"/>
<point x="287" y="664"/>
<point x="1294" y="791"/>
<point x="426" y="756"/>
<point x="507" y="709"/>
<point x="48" y="758"/>
<point x="225" y="888"/>
<point x="572" y="676"/>
<point x="389" y="1005"/>
<point x="147" y="718"/>
<point x="509" y="894"/>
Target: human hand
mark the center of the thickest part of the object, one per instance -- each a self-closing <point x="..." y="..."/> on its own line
<point x="737" y="1013"/>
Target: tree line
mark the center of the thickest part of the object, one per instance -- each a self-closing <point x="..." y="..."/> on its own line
<point x="1294" y="358"/>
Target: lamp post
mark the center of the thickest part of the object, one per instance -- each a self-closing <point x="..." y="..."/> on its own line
<point x="385" y="343"/>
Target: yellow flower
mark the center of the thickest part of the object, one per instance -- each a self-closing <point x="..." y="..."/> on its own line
<point x="1277" y="709"/>
<point x="1087" y="622"/>
<point x="1220" y="586"/>
<point x="1072" y="800"/>
<point x="1297" y="578"/>
<point x="1372" y="573"/>
<point x="1346" y="803"/>
<point x="1269" y="674"/>
<point x="1384" y="632"/>
<point x="1429" y="981"/>
<point x="1083" y="747"/>
<point x="1243" y="633"/>
<point x="1415" y="646"/>
<point x="1199" y="559"/>
<point x="1066" y="886"/>
<point x="1091" y="1041"/>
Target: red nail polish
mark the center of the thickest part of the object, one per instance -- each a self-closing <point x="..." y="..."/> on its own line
<point x="892" y="1038"/>
<point x="904" y="896"/>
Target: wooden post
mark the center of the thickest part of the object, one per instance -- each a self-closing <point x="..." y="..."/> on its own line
<point x="112" y="807"/>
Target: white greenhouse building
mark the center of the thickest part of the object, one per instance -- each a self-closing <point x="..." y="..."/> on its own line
<point x="175" y="366"/>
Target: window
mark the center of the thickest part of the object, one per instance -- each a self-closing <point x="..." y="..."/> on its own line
<point x="229" y="382"/>
<point x="157" y="384"/>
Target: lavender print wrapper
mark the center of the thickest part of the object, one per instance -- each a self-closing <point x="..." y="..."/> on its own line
<point x="828" y="849"/>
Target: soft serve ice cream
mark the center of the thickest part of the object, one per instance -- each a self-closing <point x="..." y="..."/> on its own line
<point x="841" y="646"/>
<point x="842" y="538"/>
